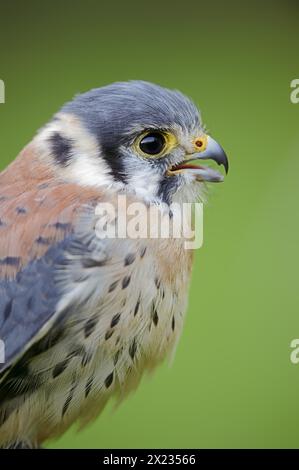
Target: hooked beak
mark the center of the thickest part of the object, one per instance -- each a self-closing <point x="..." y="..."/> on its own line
<point x="211" y="151"/>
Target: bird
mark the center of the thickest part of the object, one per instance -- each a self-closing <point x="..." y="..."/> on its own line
<point x="84" y="317"/>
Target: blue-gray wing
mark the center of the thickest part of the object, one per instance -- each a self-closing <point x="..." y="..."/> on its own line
<point x="28" y="303"/>
<point x="43" y="231"/>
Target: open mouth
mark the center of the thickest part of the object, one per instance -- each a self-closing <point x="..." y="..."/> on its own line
<point x="212" y="151"/>
<point x="201" y="173"/>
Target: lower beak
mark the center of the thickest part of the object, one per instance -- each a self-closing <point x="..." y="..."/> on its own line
<point x="212" y="151"/>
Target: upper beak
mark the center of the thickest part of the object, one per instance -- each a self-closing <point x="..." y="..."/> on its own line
<point x="211" y="151"/>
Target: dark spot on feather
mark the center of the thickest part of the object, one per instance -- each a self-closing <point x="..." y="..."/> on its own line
<point x="51" y="340"/>
<point x="21" y="210"/>
<point x="109" y="380"/>
<point x="62" y="226"/>
<point x="90" y="326"/>
<point x="10" y="261"/>
<point x="137" y="307"/>
<point x="133" y="349"/>
<point x="61" y="148"/>
<point x="158" y="283"/>
<point x="86" y="359"/>
<point x="43" y="241"/>
<point x="68" y="400"/>
<point x="43" y="186"/>
<point x="93" y="263"/>
<point x="109" y="334"/>
<point x="113" y="286"/>
<point x="60" y="368"/>
<point x="116" y="357"/>
<point x="2" y="224"/>
<point x="129" y="259"/>
<point x="155" y="317"/>
<point x="117" y="340"/>
<point x="173" y="323"/>
<point x="88" y="386"/>
<point x="126" y="281"/>
<point x="115" y="320"/>
<point x="77" y="351"/>
<point x="142" y="252"/>
<point x="8" y="309"/>
<point x="43" y="345"/>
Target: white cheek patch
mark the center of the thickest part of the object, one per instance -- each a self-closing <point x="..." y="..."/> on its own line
<point x="84" y="164"/>
<point x="142" y="179"/>
<point x="145" y="183"/>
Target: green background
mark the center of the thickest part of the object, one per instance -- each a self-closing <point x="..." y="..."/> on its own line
<point x="232" y="383"/>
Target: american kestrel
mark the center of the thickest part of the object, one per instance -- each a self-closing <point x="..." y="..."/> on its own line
<point x="81" y="316"/>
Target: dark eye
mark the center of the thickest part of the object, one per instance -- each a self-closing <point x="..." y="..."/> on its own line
<point x="152" y="143"/>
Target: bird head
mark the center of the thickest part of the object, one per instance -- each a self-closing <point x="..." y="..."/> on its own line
<point x="133" y="136"/>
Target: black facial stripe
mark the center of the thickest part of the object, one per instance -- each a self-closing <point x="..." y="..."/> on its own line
<point x="61" y="148"/>
<point x="167" y="188"/>
<point x="10" y="261"/>
<point x="115" y="162"/>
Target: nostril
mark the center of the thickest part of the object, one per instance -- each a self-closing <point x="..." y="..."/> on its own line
<point x="199" y="143"/>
